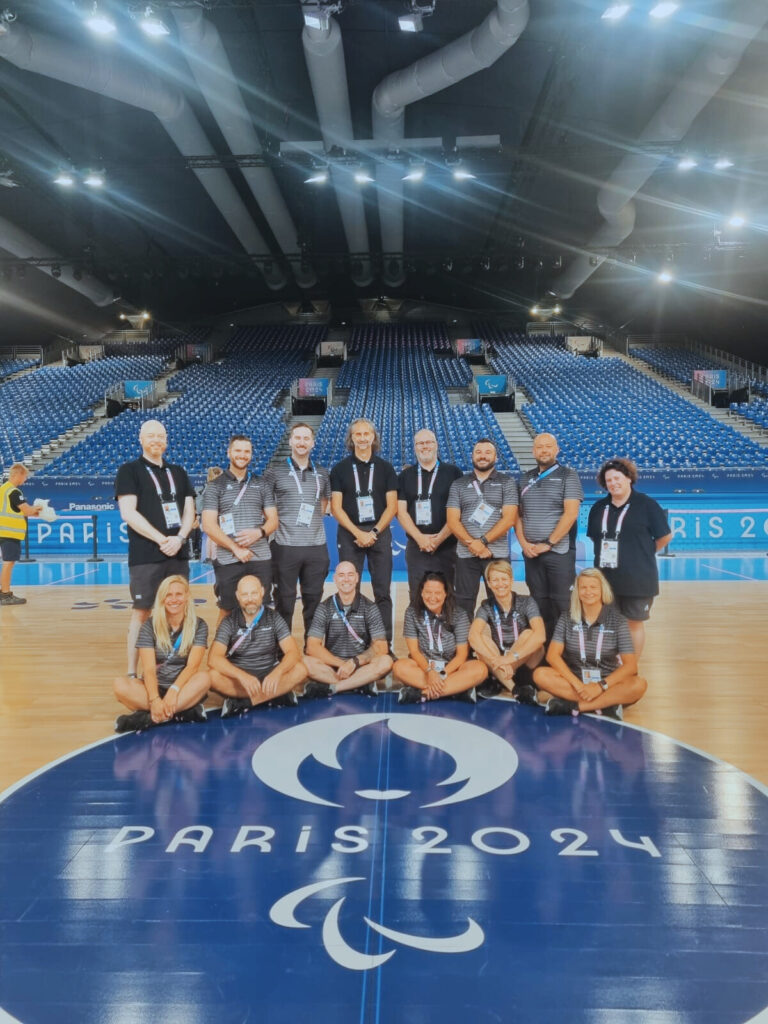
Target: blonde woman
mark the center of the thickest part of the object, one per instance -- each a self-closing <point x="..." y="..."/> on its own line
<point x="171" y="646"/>
<point x="592" y="663"/>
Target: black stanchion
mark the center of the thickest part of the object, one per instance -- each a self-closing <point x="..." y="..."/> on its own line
<point x="26" y="557"/>
<point x="95" y="556"/>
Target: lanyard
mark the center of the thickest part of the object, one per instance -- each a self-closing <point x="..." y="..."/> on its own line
<point x="431" y="482"/>
<point x="249" y="630"/>
<point x="346" y="621"/>
<point x="582" y="647"/>
<point x="369" y="489"/>
<point x="434" y="645"/>
<point x="497" y="617"/>
<point x="295" y="475"/>
<point x="174" y="646"/>
<point x="619" y="521"/>
<point x="158" y="488"/>
<point x="480" y="493"/>
<point x="243" y="489"/>
<point x="539" y="478"/>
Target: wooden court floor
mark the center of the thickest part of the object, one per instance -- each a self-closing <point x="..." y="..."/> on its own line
<point x="705" y="661"/>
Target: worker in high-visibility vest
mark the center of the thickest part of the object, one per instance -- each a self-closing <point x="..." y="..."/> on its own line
<point x="14" y="512"/>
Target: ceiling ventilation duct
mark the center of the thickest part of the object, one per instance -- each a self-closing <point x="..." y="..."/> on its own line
<point x="671" y="122"/>
<point x="472" y="52"/>
<point x="116" y="77"/>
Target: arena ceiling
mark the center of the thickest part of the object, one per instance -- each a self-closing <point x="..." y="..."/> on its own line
<point x="206" y="136"/>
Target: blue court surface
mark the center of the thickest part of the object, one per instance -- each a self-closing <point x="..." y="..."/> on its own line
<point x="358" y="861"/>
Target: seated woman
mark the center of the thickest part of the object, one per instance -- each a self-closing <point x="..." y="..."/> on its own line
<point x="592" y="664"/>
<point x="171" y="646"/>
<point x="435" y="632"/>
<point x="507" y="635"/>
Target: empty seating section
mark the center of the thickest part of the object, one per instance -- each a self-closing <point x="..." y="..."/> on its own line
<point x="9" y="365"/>
<point x="756" y="411"/>
<point x="154" y="347"/>
<point x="432" y="336"/>
<point x="676" y="363"/>
<point x="603" y="407"/>
<point x="402" y="386"/>
<point x="236" y="395"/>
<point x="38" y="407"/>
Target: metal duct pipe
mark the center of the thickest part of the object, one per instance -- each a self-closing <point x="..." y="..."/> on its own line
<point x="324" y="54"/>
<point x="472" y="52"/>
<point x="217" y="82"/>
<point x="134" y="85"/>
<point x="671" y="122"/>
<point x="17" y="241"/>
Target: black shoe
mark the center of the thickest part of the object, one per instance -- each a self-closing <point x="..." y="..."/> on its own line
<point x="369" y="690"/>
<point x="137" y="721"/>
<point x="193" y="714"/>
<point x="235" y="706"/>
<point x="525" y="694"/>
<point x="561" y="706"/>
<point x="615" y="711"/>
<point x="467" y="696"/>
<point x="286" y="700"/>
<point x="11" y="598"/>
<point x="490" y="688"/>
<point x="409" y="695"/>
<point x="315" y="691"/>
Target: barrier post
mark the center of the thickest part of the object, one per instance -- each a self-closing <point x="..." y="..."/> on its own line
<point x="26" y="557"/>
<point x="95" y="556"/>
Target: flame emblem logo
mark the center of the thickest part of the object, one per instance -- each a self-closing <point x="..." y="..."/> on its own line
<point x="484" y="761"/>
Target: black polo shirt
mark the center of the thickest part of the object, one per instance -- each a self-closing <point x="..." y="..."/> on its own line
<point x="616" y="640"/>
<point x="523" y="609"/>
<point x="363" y="617"/>
<point x="143" y="479"/>
<point x="343" y="481"/>
<point x="408" y="491"/>
<point x="637" y="574"/>
<point x="260" y="651"/>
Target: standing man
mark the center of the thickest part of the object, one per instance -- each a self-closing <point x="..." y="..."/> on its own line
<point x="157" y="502"/>
<point x="482" y="508"/>
<point x="422" y="495"/>
<point x="301" y="493"/>
<point x="14" y="512"/>
<point x="550" y="496"/>
<point x="238" y="515"/>
<point x="364" y="502"/>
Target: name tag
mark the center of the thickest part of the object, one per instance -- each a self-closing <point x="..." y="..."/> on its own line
<point x="304" y="517"/>
<point x="171" y="513"/>
<point x="609" y="554"/>
<point x="227" y="523"/>
<point x="590" y="675"/>
<point x="438" y="666"/>
<point x="423" y="513"/>
<point x="365" y="508"/>
<point x="482" y="514"/>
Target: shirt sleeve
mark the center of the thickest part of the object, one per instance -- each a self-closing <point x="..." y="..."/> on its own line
<point x="391" y="477"/>
<point x="186" y="489"/>
<point x="593" y="529"/>
<point x="484" y="612"/>
<point x="453" y="496"/>
<point x="201" y="634"/>
<point x="146" y="637"/>
<point x="125" y="481"/>
<point x="409" y="624"/>
<point x="510" y="495"/>
<point x="401" y="486"/>
<point x="623" y="636"/>
<point x="374" y="622"/>
<point x="573" y="488"/>
<point x="325" y="487"/>
<point x="461" y="627"/>
<point x="319" y="622"/>
<point x="16" y="500"/>
<point x="280" y="628"/>
<point x="558" y="633"/>
<point x="658" y="520"/>
<point x="211" y="497"/>
<point x="337" y="483"/>
<point x="224" y="632"/>
<point x="530" y="609"/>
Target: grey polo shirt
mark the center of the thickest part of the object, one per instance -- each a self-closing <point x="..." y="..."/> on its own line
<point x="291" y="487"/>
<point x="223" y="496"/>
<point x="363" y="617"/>
<point x="616" y="640"/>
<point x="523" y="609"/>
<point x="418" y="626"/>
<point x="260" y="651"/>
<point x="496" y="490"/>
<point x="541" y="503"/>
<point x="170" y="664"/>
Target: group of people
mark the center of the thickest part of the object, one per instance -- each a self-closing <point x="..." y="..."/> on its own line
<point x="577" y="640"/>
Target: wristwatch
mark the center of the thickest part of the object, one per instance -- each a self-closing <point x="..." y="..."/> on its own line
<point x="375" y="531"/>
<point x="484" y="539"/>
<point x="356" y="660"/>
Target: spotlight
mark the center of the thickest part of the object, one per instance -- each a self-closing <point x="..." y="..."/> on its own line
<point x="687" y="164"/>
<point x="616" y="12"/>
<point x="65" y="179"/>
<point x="663" y="10"/>
<point x="152" y="25"/>
<point x="362" y="177"/>
<point x="723" y="164"/>
<point x="411" y="22"/>
<point x="736" y="221"/>
<point x="318" y="178"/>
<point x="416" y="173"/>
<point x="100" y="23"/>
<point x="664" y="277"/>
<point x="94" y="179"/>
<point x="317" y="14"/>
<point x="461" y="174"/>
<point x="534" y="310"/>
<point x="557" y="309"/>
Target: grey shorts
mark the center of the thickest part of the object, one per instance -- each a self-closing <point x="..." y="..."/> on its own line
<point x="145" y="579"/>
<point x="636" y="609"/>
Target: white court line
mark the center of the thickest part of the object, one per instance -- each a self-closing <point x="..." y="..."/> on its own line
<point x="66" y="579"/>
<point x="716" y="568"/>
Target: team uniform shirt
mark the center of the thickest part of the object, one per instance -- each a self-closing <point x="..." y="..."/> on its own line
<point x="347" y="630"/>
<point x="256" y="648"/>
<point x="506" y="627"/>
<point x="636" y="525"/>
<point x="240" y="505"/>
<point x="170" y="664"/>
<point x="609" y="635"/>
<point x="299" y="496"/>
<point x="426" y="505"/>
<point x="343" y="480"/>
<point x="480" y="503"/>
<point x="161" y="492"/>
<point x="542" y="495"/>
<point x="437" y="639"/>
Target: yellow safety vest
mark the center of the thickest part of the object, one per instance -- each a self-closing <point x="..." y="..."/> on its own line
<point x="13" y="525"/>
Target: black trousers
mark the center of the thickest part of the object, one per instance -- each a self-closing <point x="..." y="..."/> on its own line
<point x="469" y="572"/>
<point x="550" y="577"/>
<point x="379" y="566"/>
<point x="307" y="566"/>
<point x="418" y="562"/>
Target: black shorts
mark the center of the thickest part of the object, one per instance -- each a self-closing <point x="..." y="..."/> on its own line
<point x="145" y="579"/>
<point x="10" y="549"/>
<point x="228" y="576"/>
<point x="636" y="609"/>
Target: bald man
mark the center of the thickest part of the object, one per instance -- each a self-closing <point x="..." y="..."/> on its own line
<point x="550" y="497"/>
<point x="157" y="503"/>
